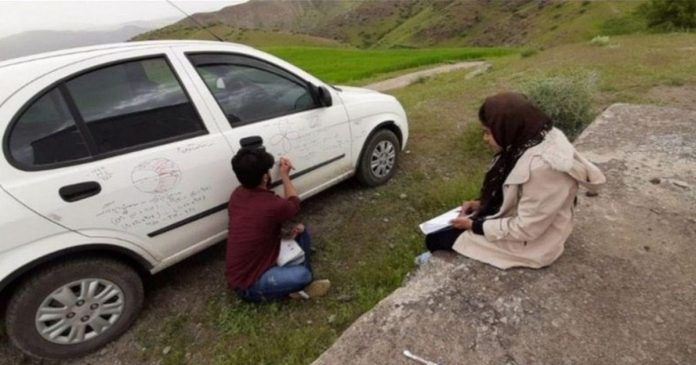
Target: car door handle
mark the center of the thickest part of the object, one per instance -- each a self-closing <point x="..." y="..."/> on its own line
<point x="79" y="191"/>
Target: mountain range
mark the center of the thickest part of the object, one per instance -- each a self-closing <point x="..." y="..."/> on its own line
<point x="412" y="23"/>
<point x="31" y="42"/>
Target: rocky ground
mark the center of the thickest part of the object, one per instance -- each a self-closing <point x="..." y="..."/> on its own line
<point x="622" y="293"/>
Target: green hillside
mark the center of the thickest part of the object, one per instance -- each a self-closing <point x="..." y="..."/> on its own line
<point x="259" y="38"/>
<point x="410" y="24"/>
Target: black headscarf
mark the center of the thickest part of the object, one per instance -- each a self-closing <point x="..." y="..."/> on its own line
<point x="516" y="125"/>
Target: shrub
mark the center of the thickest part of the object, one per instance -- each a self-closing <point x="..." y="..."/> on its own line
<point x="567" y="99"/>
<point x="626" y="24"/>
<point x="528" y="52"/>
<point x="669" y="15"/>
<point x="600" y="41"/>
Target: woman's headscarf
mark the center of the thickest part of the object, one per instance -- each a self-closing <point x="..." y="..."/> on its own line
<point x="516" y="125"/>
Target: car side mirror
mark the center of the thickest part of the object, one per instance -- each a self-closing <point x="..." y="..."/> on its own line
<point x="323" y="95"/>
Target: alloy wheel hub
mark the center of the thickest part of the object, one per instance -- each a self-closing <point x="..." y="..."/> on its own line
<point x="79" y="311"/>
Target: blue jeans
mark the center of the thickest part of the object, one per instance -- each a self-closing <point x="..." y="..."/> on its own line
<point x="279" y="281"/>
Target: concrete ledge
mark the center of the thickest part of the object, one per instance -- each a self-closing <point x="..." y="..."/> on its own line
<point x="624" y="292"/>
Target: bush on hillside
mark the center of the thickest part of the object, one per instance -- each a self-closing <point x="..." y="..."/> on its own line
<point x="625" y="24"/>
<point x="567" y="99"/>
<point x="669" y="15"/>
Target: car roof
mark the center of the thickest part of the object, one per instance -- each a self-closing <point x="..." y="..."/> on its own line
<point x="17" y="72"/>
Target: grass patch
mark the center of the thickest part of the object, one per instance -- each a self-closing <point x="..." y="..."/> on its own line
<point x="172" y="341"/>
<point x="353" y="65"/>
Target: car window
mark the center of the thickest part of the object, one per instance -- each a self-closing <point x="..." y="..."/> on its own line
<point x="46" y="133"/>
<point x="133" y="103"/>
<point x="249" y="90"/>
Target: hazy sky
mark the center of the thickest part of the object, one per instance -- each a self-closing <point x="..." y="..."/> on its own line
<point x="21" y="16"/>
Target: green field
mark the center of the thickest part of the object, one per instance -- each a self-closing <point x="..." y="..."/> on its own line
<point x="350" y="65"/>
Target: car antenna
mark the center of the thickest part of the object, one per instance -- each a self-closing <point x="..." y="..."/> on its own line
<point x="194" y="20"/>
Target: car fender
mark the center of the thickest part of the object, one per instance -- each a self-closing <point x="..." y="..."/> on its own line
<point x="370" y="111"/>
<point x="22" y="259"/>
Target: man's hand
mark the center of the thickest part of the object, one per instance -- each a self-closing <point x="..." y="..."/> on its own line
<point x="469" y="207"/>
<point x="461" y="223"/>
<point x="284" y="165"/>
<point x="297" y="230"/>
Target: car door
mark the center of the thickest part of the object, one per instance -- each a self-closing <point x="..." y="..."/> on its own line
<point x="122" y="151"/>
<point x="255" y="97"/>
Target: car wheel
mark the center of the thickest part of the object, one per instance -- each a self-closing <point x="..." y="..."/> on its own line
<point x="73" y="308"/>
<point x="379" y="158"/>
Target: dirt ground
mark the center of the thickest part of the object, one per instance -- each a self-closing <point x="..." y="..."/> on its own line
<point x="413" y="77"/>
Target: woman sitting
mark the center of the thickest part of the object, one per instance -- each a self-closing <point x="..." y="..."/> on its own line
<point x="525" y="211"/>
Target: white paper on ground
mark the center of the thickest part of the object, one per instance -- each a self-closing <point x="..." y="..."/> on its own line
<point x="441" y="221"/>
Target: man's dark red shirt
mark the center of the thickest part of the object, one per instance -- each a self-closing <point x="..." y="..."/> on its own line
<point x="256" y="218"/>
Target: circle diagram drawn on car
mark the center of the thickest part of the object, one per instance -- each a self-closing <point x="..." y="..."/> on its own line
<point x="156" y="176"/>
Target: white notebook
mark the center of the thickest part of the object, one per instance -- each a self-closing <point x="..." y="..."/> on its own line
<point x="290" y="253"/>
<point x="441" y="221"/>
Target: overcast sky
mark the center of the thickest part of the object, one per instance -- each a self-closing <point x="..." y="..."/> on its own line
<point x="22" y="16"/>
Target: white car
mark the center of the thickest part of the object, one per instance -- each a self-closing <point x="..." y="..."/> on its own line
<point x="117" y="162"/>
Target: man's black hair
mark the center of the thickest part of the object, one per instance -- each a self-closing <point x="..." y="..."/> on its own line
<point x="250" y="164"/>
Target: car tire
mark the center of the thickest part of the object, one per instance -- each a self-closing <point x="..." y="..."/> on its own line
<point x="107" y="296"/>
<point x="379" y="158"/>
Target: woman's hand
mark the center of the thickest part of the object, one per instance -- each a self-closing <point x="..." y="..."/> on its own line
<point x="461" y="223"/>
<point x="470" y="207"/>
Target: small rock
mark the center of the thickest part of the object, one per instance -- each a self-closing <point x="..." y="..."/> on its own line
<point x="646" y="248"/>
<point x="386" y="220"/>
<point x="408" y="152"/>
<point x="655" y="180"/>
<point x="332" y="318"/>
<point x="555" y="323"/>
<point x="659" y="319"/>
<point x="591" y="193"/>
<point x="344" y="298"/>
<point x="403" y="196"/>
<point x="309" y="321"/>
<point x="392" y="246"/>
<point x="377" y="194"/>
<point x="504" y="320"/>
<point x="680" y="184"/>
<point x="166" y="350"/>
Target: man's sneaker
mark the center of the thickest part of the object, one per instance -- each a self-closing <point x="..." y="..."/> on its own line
<point x="316" y="289"/>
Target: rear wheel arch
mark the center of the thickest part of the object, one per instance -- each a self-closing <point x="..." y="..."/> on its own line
<point x="106" y="297"/>
<point x="121" y="254"/>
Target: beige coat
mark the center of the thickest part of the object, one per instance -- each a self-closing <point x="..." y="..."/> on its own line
<point x="536" y="216"/>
